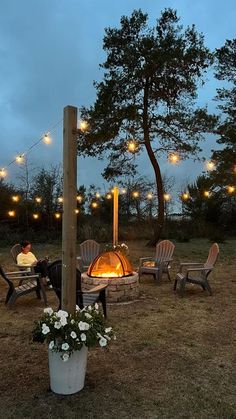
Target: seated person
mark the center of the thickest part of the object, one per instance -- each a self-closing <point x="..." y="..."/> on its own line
<point x="27" y="258"/>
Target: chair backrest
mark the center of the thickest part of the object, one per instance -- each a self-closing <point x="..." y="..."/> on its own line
<point x="15" y="250"/>
<point x="89" y="249"/>
<point x="55" y="276"/>
<point x="164" y="250"/>
<point x="212" y="256"/>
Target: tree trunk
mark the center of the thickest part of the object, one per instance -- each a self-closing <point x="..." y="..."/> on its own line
<point x="158" y="226"/>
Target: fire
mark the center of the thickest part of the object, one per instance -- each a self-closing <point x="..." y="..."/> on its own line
<point x="110" y="265"/>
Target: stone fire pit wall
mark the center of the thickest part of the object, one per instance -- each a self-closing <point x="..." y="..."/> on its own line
<point x="118" y="290"/>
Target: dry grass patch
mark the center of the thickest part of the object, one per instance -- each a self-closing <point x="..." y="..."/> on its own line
<point x="173" y="358"/>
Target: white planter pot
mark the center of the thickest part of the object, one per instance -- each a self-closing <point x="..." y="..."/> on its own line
<point x="67" y="377"/>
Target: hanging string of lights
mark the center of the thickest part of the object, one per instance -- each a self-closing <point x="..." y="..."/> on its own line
<point x="20" y="158"/>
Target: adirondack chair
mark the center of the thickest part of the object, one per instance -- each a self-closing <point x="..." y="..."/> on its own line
<point x="26" y="285"/>
<point x="83" y="298"/>
<point x="203" y="270"/>
<point x="89" y="249"/>
<point x="160" y="263"/>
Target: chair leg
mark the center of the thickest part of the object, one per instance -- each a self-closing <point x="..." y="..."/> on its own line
<point x="208" y="287"/>
<point x="182" y="287"/>
<point x="175" y="284"/>
<point x="43" y="291"/>
<point x="168" y="274"/>
<point x="12" y="299"/>
<point x="8" y="295"/>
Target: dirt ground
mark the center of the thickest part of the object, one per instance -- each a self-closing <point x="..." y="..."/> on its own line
<point x="173" y="357"/>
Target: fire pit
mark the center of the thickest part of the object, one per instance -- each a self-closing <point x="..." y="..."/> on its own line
<point x="114" y="269"/>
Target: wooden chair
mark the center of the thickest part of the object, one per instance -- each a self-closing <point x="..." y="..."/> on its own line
<point x="160" y="263"/>
<point x="203" y="270"/>
<point x="27" y="283"/>
<point x="89" y="249"/>
<point x="83" y="298"/>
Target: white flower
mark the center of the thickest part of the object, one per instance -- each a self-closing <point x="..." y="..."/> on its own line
<point x="108" y="329"/>
<point x="72" y="321"/>
<point x="96" y="306"/>
<point x="51" y="344"/>
<point x="88" y="315"/>
<point x="48" y="310"/>
<point x="45" y="329"/>
<point x="102" y="342"/>
<point x="99" y="335"/>
<point x="83" y="326"/>
<point x="57" y="325"/>
<point x="83" y="337"/>
<point x="62" y="313"/>
<point x="107" y="337"/>
<point x="63" y="321"/>
<point x="73" y="335"/>
<point x="90" y="308"/>
<point x="65" y="346"/>
<point x="65" y="357"/>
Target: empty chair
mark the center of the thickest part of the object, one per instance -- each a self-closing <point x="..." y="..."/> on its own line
<point x="26" y="285"/>
<point x="160" y="263"/>
<point x="89" y="249"/>
<point x="201" y="271"/>
<point x="83" y="298"/>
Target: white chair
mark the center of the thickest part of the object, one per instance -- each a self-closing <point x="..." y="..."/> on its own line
<point x="160" y="263"/>
<point x="202" y="271"/>
<point x="89" y="249"/>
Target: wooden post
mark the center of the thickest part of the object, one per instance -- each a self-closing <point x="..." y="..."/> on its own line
<point x="115" y="216"/>
<point x="69" y="222"/>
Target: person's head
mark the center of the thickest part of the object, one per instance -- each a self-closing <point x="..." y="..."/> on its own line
<point x="25" y="246"/>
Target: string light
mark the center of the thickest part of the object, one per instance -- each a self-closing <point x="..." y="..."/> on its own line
<point x="57" y="215"/>
<point x="98" y="195"/>
<point x="230" y="189"/>
<point x="135" y="194"/>
<point x="206" y="194"/>
<point x="11" y="213"/>
<point x="79" y="198"/>
<point x="173" y="158"/>
<point x="35" y="216"/>
<point x="149" y="196"/>
<point x="123" y="191"/>
<point x="15" y="198"/>
<point x="185" y="196"/>
<point x="167" y="197"/>
<point x="94" y="205"/>
<point x="38" y="200"/>
<point x="20" y="159"/>
<point x="83" y="126"/>
<point x="109" y="196"/>
<point x="132" y="146"/>
<point x="47" y="139"/>
<point x="3" y="173"/>
<point x="77" y="211"/>
<point x="210" y="165"/>
<point x="60" y="199"/>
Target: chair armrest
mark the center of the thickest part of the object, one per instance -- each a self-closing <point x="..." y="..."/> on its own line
<point x="147" y="258"/>
<point x="96" y="289"/>
<point x="80" y="265"/>
<point x="25" y="278"/>
<point x="18" y="273"/>
<point x="186" y="264"/>
<point x="200" y="269"/>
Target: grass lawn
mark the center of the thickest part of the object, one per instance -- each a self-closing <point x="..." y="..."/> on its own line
<point x="173" y="357"/>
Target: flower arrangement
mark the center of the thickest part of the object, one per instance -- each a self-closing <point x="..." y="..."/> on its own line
<point x="67" y="333"/>
<point x="123" y="248"/>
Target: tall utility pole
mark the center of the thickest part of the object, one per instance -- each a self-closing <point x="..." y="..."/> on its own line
<point x="115" y="216"/>
<point x="69" y="222"/>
